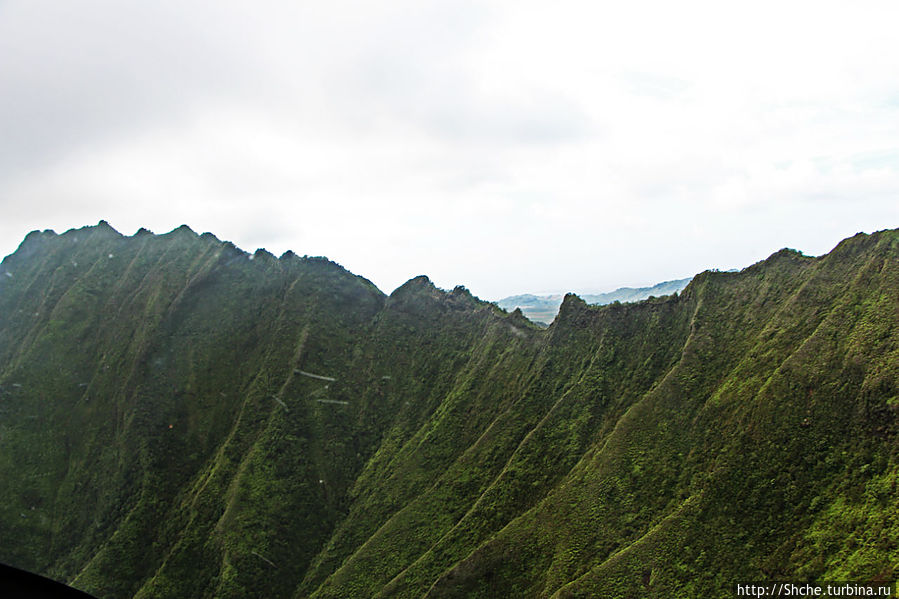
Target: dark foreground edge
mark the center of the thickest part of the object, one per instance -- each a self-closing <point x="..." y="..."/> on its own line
<point x="15" y="583"/>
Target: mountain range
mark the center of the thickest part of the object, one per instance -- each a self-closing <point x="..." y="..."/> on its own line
<point x="179" y="418"/>
<point x="543" y="308"/>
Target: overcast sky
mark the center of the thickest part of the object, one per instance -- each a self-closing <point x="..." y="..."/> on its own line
<point x="507" y="146"/>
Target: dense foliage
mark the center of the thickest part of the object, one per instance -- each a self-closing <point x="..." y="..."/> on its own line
<point x="181" y="419"/>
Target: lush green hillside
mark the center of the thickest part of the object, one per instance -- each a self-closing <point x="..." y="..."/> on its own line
<point x="181" y="419"/>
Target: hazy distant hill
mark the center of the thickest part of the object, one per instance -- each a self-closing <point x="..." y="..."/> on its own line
<point x="543" y="308"/>
<point x="179" y="418"/>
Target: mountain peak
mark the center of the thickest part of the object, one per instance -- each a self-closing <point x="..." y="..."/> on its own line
<point x="182" y="231"/>
<point x="418" y="284"/>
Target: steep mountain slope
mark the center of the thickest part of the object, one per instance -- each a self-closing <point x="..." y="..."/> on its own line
<point x="180" y="418"/>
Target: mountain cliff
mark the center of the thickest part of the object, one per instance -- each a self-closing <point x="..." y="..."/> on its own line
<point x="179" y="418"/>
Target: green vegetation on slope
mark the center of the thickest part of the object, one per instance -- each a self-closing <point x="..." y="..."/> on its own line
<point x="180" y="418"/>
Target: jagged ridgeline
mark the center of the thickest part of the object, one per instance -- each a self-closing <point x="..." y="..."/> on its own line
<point x="179" y="418"/>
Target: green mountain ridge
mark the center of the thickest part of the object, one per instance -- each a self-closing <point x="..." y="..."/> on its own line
<point x="179" y="418"/>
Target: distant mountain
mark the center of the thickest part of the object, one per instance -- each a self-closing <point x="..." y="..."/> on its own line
<point x="179" y="418"/>
<point x="538" y="308"/>
<point x="543" y="308"/>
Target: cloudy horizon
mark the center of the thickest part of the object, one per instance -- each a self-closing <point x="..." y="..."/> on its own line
<point x="511" y="147"/>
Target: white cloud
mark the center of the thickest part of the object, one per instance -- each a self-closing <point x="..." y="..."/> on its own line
<point x="507" y="146"/>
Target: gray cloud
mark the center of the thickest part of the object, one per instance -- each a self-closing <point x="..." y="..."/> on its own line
<point x="76" y="73"/>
